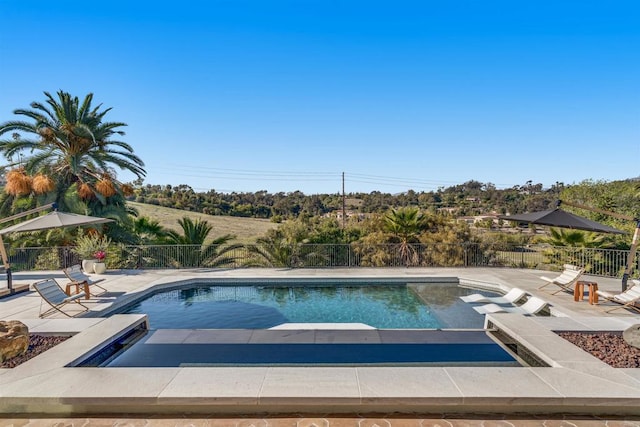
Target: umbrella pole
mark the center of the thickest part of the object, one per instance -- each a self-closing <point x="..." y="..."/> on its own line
<point x="7" y="267"/>
<point x="632" y="256"/>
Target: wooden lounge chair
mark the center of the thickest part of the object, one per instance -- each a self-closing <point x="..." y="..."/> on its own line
<point x="78" y="278"/>
<point x="533" y="305"/>
<point x="511" y="297"/>
<point x="566" y="280"/>
<point x="52" y="294"/>
<point x="626" y="299"/>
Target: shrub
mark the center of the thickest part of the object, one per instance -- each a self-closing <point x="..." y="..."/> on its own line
<point x="88" y="244"/>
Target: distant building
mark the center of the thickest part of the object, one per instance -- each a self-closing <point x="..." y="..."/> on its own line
<point x="350" y="214"/>
<point x="473" y="220"/>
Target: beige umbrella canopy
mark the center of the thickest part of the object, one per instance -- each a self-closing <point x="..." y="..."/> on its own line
<point x="53" y="219"/>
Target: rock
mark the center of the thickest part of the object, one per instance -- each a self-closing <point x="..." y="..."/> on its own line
<point x="14" y="339"/>
<point x="631" y="335"/>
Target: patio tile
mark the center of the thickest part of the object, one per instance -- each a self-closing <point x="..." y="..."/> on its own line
<point x="408" y="383"/>
<point x="500" y="382"/>
<point x="214" y="385"/>
<point x="298" y="385"/>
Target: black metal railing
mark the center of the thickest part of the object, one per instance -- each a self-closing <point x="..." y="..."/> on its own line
<point x="598" y="262"/>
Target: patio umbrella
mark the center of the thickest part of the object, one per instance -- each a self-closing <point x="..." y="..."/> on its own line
<point x="563" y="219"/>
<point x="53" y="219"/>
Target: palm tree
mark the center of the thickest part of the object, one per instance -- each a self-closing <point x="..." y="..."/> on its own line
<point x="70" y="153"/>
<point x="148" y="230"/>
<point x="272" y="251"/>
<point x="194" y="233"/>
<point x="406" y="224"/>
<point x="575" y="238"/>
<point x="579" y="240"/>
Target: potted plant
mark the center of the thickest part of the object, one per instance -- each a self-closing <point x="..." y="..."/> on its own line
<point x="99" y="266"/>
<point x="87" y="246"/>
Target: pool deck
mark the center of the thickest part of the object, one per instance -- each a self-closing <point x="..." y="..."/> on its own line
<point x="575" y="382"/>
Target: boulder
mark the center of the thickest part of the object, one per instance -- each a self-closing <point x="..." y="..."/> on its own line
<point x="631" y="335"/>
<point x="14" y="339"/>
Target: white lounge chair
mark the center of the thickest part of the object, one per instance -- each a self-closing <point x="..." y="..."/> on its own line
<point x="566" y="280"/>
<point x="533" y="305"/>
<point x="511" y="297"/>
<point x="626" y="299"/>
<point x="53" y="295"/>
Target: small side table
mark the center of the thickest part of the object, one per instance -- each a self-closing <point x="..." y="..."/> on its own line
<point x="85" y="285"/>
<point x="593" y="294"/>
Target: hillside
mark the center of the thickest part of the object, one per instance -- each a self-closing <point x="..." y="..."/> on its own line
<point x="246" y="229"/>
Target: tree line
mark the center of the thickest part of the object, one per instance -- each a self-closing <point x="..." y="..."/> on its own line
<point x="470" y="198"/>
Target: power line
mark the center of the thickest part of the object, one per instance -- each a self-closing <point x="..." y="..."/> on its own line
<point x="309" y="176"/>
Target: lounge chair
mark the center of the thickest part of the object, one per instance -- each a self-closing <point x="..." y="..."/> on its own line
<point x="533" y="305"/>
<point x="566" y="280"/>
<point x="52" y="294"/>
<point x="511" y="297"/>
<point x="626" y="299"/>
<point x="77" y="277"/>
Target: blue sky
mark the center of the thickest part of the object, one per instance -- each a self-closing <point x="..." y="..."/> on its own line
<point x="245" y="95"/>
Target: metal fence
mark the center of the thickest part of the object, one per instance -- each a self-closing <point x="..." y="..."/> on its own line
<point x="598" y="262"/>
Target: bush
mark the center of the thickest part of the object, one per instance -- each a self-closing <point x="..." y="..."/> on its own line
<point x="88" y="244"/>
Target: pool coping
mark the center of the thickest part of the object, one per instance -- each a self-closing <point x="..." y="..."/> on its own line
<point x="575" y="383"/>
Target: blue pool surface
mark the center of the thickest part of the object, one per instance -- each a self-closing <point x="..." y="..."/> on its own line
<point x="426" y="306"/>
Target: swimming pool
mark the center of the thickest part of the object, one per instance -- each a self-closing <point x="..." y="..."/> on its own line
<point x="244" y="306"/>
<point x="263" y="324"/>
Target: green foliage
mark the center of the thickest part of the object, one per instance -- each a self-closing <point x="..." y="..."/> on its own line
<point x="619" y="197"/>
<point x="149" y="231"/>
<point x="88" y="244"/>
<point x="273" y="251"/>
<point x="576" y="238"/>
<point x="392" y="239"/>
<point x="215" y="254"/>
<point x="471" y="198"/>
<point x="48" y="260"/>
<point x="68" y="140"/>
<point x="406" y="224"/>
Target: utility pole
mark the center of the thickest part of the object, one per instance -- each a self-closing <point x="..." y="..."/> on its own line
<point x="344" y="205"/>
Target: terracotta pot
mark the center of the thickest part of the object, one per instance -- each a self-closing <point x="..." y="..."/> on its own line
<point x="99" y="267"/>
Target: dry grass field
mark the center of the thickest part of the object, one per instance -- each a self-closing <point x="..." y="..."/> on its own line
<point x="246" y="230"/>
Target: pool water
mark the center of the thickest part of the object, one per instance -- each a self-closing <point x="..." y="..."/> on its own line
<point x="261" y="307"/>
<point x="422" y="324"/>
